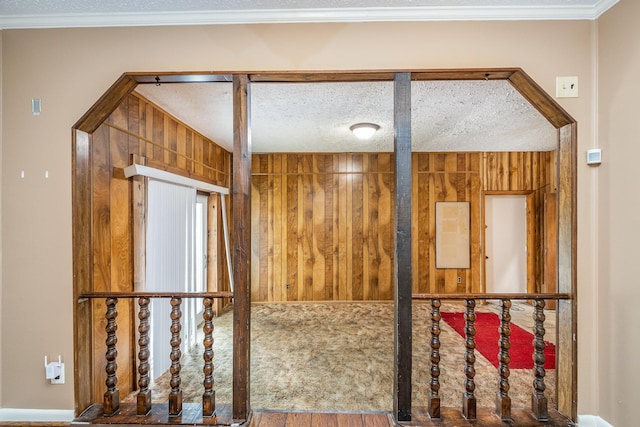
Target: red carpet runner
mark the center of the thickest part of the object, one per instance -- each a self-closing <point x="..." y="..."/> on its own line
<point x="487" y="337"/>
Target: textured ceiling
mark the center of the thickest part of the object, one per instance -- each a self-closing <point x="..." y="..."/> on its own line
<point x="302" y="117"/>
<point x="88" y="13"/>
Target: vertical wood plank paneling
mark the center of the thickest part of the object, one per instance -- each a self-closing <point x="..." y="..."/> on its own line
<point x="81" y="210"/>
<point x="135" y="129"/>
<point x="332" y="214"/>
<point x="477" y="259"/>
<point x="258" y="236"/>
<point x="172" y="141"/>
<point x="120" y="204"/>
<point x="415" y="222"/>
<point x="306" y="226"/>
<point x="132" y="124"/>
<point x="181" y="147"/>
<point x="372" y="234"/>
<point x="513" y="172"/>
<point x="292" y="227"/>
<point x="101" y="242"/>
<point x="386" y="229"/>
<point x="263" y="250"/>
<point x="366" y="255"/>
<point x="329" y="248"/>
<point x="317" y="221"/>
<point x="532" y="250"/>
<point x="157" y="129"/>
<point x="269" y="278"/>
<point x="275" y="221"/>
<point x="357" y="232"/>
<point x="189" y="143"/>
<point x="342" y="229"/>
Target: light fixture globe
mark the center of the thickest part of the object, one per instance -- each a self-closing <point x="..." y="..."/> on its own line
<point x="364" y="130"/>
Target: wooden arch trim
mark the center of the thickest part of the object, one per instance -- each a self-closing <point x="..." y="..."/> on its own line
<point x="107" y="103"/>
<point x="520" y="80"/>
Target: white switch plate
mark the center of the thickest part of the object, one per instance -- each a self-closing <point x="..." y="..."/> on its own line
<point x="567" y="87"/>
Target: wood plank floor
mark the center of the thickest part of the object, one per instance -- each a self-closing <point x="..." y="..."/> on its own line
<point x="486" y="417"/>
<point x="450" y="418"/>
<point x="318" y="419"/>
<point x="191" y="415"/>
<point x="159" y="416"/>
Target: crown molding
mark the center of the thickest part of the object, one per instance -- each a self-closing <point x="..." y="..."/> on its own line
<point x="340" y="15"/>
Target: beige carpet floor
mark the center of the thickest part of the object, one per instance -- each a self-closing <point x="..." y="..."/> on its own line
<point x="339" y="356"/>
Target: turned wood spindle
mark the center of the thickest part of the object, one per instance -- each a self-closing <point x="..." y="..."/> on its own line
<point x="503" y="401"/>
<point x="434" y="384"/>
<point x="209" y="396"/>
<point x="468" y="397"/>
<point x="112" y="395"/>
<point x="538" y="400"/>
<point x="175" y="396"/>
<point x="144" y="393"/>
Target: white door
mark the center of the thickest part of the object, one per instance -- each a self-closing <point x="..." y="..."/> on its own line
<point x="506" y="243"/>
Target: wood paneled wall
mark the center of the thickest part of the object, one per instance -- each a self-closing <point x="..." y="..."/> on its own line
<point x="136" y="129"/>
<point x="445" y="177"/>
<point x="322" y="224"/>
<point x="322" y="227"/>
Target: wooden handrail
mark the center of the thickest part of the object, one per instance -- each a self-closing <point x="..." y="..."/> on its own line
<point x="91" y="295"/>
<point x="511" y="296"/>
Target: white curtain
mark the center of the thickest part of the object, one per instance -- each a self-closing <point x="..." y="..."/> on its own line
<point x="170" y="262"/>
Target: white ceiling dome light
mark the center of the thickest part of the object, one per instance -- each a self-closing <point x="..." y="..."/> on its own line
<point x="364" y="130"/>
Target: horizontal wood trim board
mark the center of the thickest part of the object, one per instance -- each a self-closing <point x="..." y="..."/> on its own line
<point x="169" y="150"/>
<point x="495" y="296"/>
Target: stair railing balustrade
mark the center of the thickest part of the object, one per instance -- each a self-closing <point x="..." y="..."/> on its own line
<point x="111" y="402"/>
<point x="503" y="401"/>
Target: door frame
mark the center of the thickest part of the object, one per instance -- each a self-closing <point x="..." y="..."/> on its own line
<point x="530" y="226"/>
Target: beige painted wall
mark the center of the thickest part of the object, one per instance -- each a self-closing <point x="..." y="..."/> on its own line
<point x="618" y="221"/>
<point x="70" y="69"/>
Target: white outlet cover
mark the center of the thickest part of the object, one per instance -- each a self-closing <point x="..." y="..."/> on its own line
<point x="567" y="87"/>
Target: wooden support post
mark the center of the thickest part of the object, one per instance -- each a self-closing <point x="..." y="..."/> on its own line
<point x="112" y="395"/>
<point x="144" y="393"/>
<point x="403" y="280"/>
<point x="82" y="271"/>
<point x="567" y="310"/>
<point x="434" y="384"/>
<point x="241" y="238"/>
<point x="468" y="397"/>
<point x="175" y="396"/>
<point x="503" y="401"/>
<point x="538" y="400"/>
<point x="209" y="396"/>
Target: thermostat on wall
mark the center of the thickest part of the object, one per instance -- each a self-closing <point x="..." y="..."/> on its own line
<point x="594" y="156"/>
